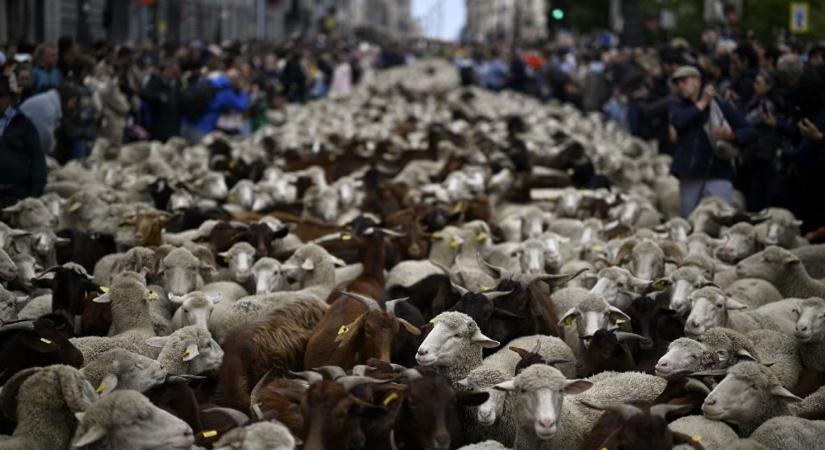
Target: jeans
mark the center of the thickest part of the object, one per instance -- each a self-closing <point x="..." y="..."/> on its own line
<point x="691" y="192"/>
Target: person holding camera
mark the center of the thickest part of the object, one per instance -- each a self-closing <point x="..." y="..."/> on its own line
<point x="708" y="132"/>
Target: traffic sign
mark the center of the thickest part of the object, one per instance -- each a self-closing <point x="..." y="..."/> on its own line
<point x="800" y="17"/>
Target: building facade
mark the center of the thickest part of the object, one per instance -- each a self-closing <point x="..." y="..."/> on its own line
<point x="138" y="21"/>
<point x="524" y="20"/>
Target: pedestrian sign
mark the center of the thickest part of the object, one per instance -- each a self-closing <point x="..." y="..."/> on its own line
<point x="800" y="16"/>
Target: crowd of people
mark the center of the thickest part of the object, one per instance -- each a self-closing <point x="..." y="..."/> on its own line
<point x="734" y="114"/>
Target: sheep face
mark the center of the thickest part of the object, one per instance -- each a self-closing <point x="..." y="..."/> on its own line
<point x="685" y="280"/>
<point x="268" y="276"/>
<point x="772" y="264"/>
<point x="615" y="285"/>
<point x="532" y="257"/>
<point x="739" y="243"/>
<point x="196" y="307"/>
<point x="242" y="194"/>
<point x="709" y="308"/>
<point x="453" y="335"/>
<point x="32" y="213"/>
<point x="240" y="258"/>
<point x="648" y="260"/>
<point x="747" y="390"/>
<point x="181" y="272"/>
<point x="127" y="419"/>
<point x="27" y="268"/>
<point x="591" y="315"/>
<point x="810" y="322"/>
<point x="8" y="305"/>
<point x="684" y="356"/>
<point x="8" y="269"/>
<point x="782" y="231"/>
<point x="540" y="393"/>
<point x="135" y="372"/>
<point x="209" y="355"/>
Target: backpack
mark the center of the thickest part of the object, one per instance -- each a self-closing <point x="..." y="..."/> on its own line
<point x="196" y="98"/>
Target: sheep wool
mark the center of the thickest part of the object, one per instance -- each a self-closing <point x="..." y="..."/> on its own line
<point x="486" y="445"/>
<point x="786" y="432"/>
<point x="103" y="365"/>
<point x="258" y="436"/>
<point x="171" y="357"/>
<point x="710" y="434"/>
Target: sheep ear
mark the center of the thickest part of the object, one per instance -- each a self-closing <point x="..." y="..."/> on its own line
<point x="520" y="351"/>
<point x="308" y="265"/>
<point x="790" y="259"/>
<point x="569" y="317"/>
<point x="732" y="304"/>
<point x="215" y="298"/>
<point x="784" y="394"/>
<point x="482" y="340"/>
<point x="156" y="341"/>
<point x="412" y="329"/>
<point x="107" y="385"/>
<point x="742" y="353"/>
<point x="577" y="386"/>
<point x="505" y="386"/>
<point x="92" y="435"/>
<point x="190" y="353"/>
<point x="347" y="332"/>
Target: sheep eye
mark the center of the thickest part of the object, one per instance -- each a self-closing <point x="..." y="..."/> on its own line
<point x="692" y="357"/>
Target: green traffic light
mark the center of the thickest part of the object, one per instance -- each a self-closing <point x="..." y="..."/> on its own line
<point x="558" y="13"/>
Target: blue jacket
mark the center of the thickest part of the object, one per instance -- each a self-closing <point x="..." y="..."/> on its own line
<point x="808" y="154"/>
<point x="225" y="98"/>
<point x="44" y="79"/>
<point x="694" y="153"/>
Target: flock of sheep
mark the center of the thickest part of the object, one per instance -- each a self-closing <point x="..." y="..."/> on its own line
<point x="416" y="266"/>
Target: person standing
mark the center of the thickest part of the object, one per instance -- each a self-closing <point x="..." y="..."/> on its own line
<point x="46" y="110"/>
<point x="162" y="94"/>
<point x="22" y="161"/>
<point x="700" y="171"/>
<point x="45" y="74"/>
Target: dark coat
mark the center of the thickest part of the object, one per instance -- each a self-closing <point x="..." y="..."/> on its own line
<point x="164" y="115"/>
<point x="694" y="155"/>
<point x="22" y="161"/>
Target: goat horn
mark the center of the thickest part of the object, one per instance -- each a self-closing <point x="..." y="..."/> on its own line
<point x="710" y="373"/>
<point x="412" y="374"/>
<point x="391" y="304"/>
<point x="352" y="381"/>
<point x="308" y="375"/>
<point x="492" y="295"/>
<point x="623" y="336"/>
<point x="389" y="232"/>
<point x="371" y="304"/>
<point x="22" y="325"/>
<point x="663" y="409"/>
<point x="240" y="418"/>
<point x="536" y="347"/>
<point x="461" y="289"/>
<point x="492" y="270"/>
<point x="554" y="361"/>
<point x="253" y="396"/>
<point x="528" y="279"/>
<point x="397" y="367"/>
<point x="360" y="370"/>
<point x="334" y="372"/>
<point x="696" y="386"/>
<point x="624" y="410"/>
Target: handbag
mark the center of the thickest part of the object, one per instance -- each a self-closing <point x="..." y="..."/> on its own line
<point x="722" y="149"/>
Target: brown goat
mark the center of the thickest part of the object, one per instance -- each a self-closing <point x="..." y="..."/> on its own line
<point x="149" y="225"/>
<point x="635" y="426"/>
<point x="275" y="341"/>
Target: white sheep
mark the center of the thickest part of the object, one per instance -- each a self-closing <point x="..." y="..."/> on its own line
<point x="44" y="402"/>
<point x="129" y="421"/>
<point x="784" y="270"/>
<point x="195" y="309"/>
<point x="188" y="351"/>
<point x="710" y="434"/>
<point x="545" y="421"/>
<point x="240" y="258"/>
<point x="710" y="307"/>
<point x="454" y="345"/>
<point x="809" y="332"/>
<point x="590" y="314"/>
<point x="121" y="369"/>
<point x="748" y="396"/>
<point x="785" y="432"/>
<point x="497" y="412"/>
<point x="257" y="436"/>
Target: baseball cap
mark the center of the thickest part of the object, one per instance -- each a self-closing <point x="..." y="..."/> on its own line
<point x="685" y="72"/>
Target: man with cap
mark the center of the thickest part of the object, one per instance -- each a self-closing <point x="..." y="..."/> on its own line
<point x="700" y="172"/>
<point x="22" y="161"/>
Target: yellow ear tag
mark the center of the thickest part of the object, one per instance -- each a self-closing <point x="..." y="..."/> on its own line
<point x="620" y="321"/>
<point x="152" y="296"/>
<point x="597" y="248"/>
<point x="346" y="237"/>
<point x="390" y="398"/>
<point x="455" y="244"/>
<point x="696" y="438"/>
<point x="436" y="237"/>
<point x="232" y="164"/>
<point x="333" y="157"/>
<point x="459" y="205"/>
<point x="481" y="237"/>
<point x="46" y="341"/>
<point x="343" y="329"/>
<point x="226" y="259"/>
<point x="104" y="289"/>
<point x="209" y="433"/>
<point x="569" y="320"/>
<point x="186" y="353"/>
<point x="231" y="197"/>
<point x="433" y="320"/>
<point x="101" y="388"/>
<point x="570" y="172"/>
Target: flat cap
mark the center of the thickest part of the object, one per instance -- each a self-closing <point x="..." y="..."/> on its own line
<point x="685" y="72"/>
